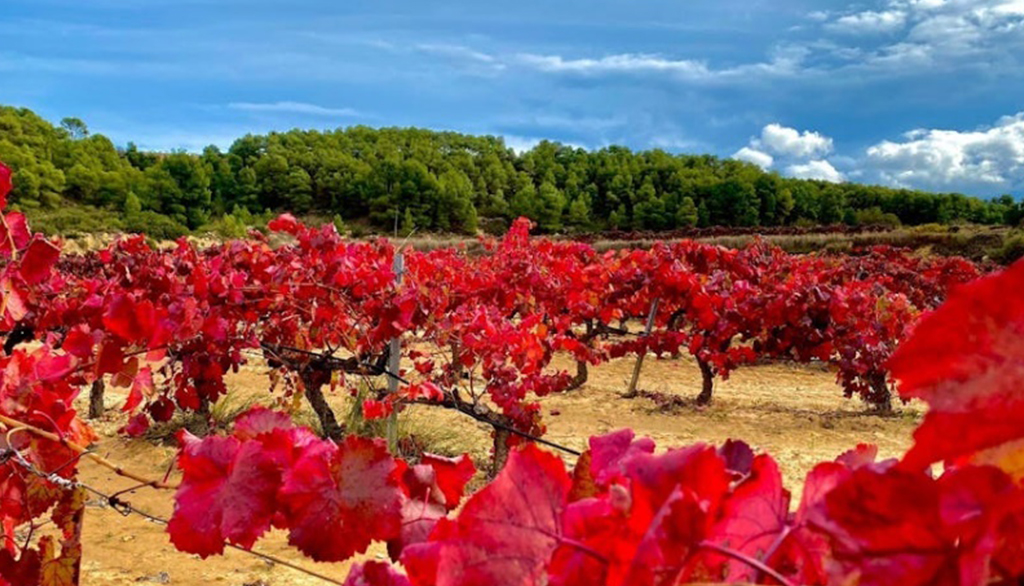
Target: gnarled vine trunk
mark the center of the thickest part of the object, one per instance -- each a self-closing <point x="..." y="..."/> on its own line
<point x="501" y="451"/>
<point x="582" y="373"/>
<point x="96" y="399"/>
<point x="313" y="379"/>
<point x="708" y="388"/>
<point x="881" y="396"/>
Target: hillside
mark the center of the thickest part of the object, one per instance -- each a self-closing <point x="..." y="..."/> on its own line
<point x="378" y="179"/>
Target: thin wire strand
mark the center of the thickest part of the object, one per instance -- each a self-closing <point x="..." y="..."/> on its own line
<point x="495" y="424"/>
<point x="384" y="371"/>
<point x="125" y="508"/>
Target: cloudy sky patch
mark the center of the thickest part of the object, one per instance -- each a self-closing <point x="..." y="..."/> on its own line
<point x="915" y="93"/>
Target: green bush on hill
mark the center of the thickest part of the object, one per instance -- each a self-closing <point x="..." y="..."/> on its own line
<point x="432" y="182"/>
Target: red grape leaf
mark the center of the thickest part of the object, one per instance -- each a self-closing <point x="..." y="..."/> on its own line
<point x="419" y="517"/>
<point x="22" y="571"/>
<point x="672" y="537"/>
<point x="506" y="533"/>
<point x="5" y="184"/>
<point x="375" y="574"/>
<point x="897" y="527"/>
<point x="966" y="360"/>
<point x="228" y="492"/>
<point x="739" y="457"/>
<point x="133" y="322"/>
<point x="14" y="232"/>
<point x="452" y="476"/>
<point x="260" y="420"/>
<point x="753" y="518"/>
<point x="142" y="387"/>
<point x="284" y="223"/>
<point x="862" y="455"/>
<point x="600" y="527"/>
<point x="38" y="260"/>
<point x="78" y="343"/>
<point x="137" y="425"/>
<point x="59" y="569"/>
<point x="337" y="498"/>
<point x="373" y="409"/>
<point x="608" y="452"/>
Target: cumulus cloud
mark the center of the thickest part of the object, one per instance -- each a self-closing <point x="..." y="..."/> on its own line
<point x="869" y="22"/>
<point x="800" y="154"/>
<point x="937" y="34"/>
<point x="819" y="169"/>
<point x="987" y="159"/>
<point x="751" y="155"/>
<point x="919" y="35"/>
<point x="790" y="142"/>
<point x="294" y="108"/>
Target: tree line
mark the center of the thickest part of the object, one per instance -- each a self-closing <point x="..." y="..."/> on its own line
<point x="420" y="179"/>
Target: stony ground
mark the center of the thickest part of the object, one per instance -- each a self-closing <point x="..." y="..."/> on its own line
<point x="796" y="413"/>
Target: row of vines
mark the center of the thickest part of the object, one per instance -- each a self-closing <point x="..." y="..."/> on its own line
<point x="478" y="334"/>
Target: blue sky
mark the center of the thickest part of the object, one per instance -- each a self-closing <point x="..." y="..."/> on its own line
<point x="917" y="93"/>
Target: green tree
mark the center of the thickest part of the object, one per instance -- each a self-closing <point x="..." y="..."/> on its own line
<point x="408" y="223"/>
<point x="447" y="181"/>
<point x="132" y="205"/>
<point x="181" y="186"/>
<point x="454" y="209"/>
<point x="618" y="219"/>
<point x="833" y="205"/>
<point x="524" y="200"/>
<point x="75" y="128"/>
<point x="687" y="215"/>
<point x="579" y="213"/>
<point x="552" y="204"/>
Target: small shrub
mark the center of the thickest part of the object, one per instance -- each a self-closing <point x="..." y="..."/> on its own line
<point x="876" y="217"/>
<point x="933" y="227"/>
<point x="226" y="226"/>
<point x="70" y="220"/>
<point x="154" y="225"/>
<point x="339" y="224"/>
<point x="358" y="231"/>
<point x="1011" y="251"/>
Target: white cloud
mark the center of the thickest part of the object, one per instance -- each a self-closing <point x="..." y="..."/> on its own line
<point x="790" y="142"/>
<point x="988" y="159"/>
<point x="624" y="63"/>
<point x="938" y="34"/>
<point x="521" y="144"/>
<point x="457" y="52"/>
<point x="819" y="169"/>
<point x="802" y="153"/>
<point x="673" y="143"/>
<point x="785" y="60"/>
<point x="869" y="22"/>
<point x="295" y="108"/>
<point x="751" y="155"/>
<point x="564" y="122"/>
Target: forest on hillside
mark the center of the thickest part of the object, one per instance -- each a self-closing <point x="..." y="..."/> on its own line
<point x="431" y="181"/>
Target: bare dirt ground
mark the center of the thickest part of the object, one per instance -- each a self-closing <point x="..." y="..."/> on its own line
<point x="796" y="413"/>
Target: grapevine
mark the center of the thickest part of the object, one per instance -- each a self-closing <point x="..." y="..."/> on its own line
<point x="480" y="333"/>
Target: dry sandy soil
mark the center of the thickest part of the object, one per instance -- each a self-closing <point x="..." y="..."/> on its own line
<point x="796" y="413"/>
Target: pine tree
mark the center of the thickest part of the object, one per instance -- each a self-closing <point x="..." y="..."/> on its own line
<point x="408" y="223"/>
<point x="687" y="215"/>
